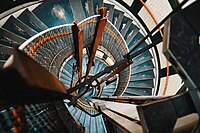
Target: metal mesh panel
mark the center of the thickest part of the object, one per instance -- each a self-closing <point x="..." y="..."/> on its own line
<point x="41" y="117"/>
<point x="6" y="120"/>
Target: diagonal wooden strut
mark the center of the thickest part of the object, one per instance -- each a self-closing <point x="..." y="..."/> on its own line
<point x="78" y="48"/>
<point x="101" y="23"/>
<point x="117" y="70"/>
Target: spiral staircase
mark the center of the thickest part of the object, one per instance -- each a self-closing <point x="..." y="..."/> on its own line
<point x="44" y="31"/>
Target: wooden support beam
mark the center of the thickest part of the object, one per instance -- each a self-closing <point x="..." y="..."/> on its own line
<point x="97" y="39"/>
<point x="102" y="12"/>
<point x="78" y="48"/>
<point x="126" y="110"/>
<point x="24" y="81"/>
<point x="117" y="70"/>
<point x="132" y="99"/>
<point x="125" y="125"/>
<point x="125" y="117"/>
<point x="80" y="54"/>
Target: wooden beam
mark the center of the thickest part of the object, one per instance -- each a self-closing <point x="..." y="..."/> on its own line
<point x="125" y="125"/>
<point x="126" y="110"/>
<point x="125" y="117"/>
<point x="132" y="99"/>
<point x="100" y="25"/>
<point x="117" y="70"/>
<point x="24" y="81"/>
<point x="78" y="48"/>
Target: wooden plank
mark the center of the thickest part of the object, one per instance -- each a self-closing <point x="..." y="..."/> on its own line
<point x="80" y="54"/>
<point x="100" y="29"/>
<point x="122" y="123"/>
<point x="78" y="48"/>
<point x="127" y="110"/>
<point x="132" y="99"/>
<point x="24" y="81"/>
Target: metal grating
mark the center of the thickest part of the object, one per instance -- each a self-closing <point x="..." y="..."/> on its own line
<point x="40" y="117"/>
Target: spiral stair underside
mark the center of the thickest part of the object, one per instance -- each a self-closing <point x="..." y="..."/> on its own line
<point x="32" y="26"/>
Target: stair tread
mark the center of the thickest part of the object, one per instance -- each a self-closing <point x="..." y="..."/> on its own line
<point x="110" y="11"/>
<point x="141" y="84"/>
<point x="10" y="39"/>
<point x="124" y="29"/>
<point x="32" y="20"/>
<point x="6" y="49"/>
<point x="90" y="7"/>
<point x="142" y="57"/>
<point x="119" y="15"/>
<point x="135" y="40"/>
<point x="53" y="13"/>
<point x="97" y="4"/>
<point x="142" y="76"/>
<point x="131" y="33"/>
<point x="142" y="67"/>
<point x="138" y="91"/>
<point x="77" y="10"/>
<point x="16" y="26"/>
<point x="87" y="122"/>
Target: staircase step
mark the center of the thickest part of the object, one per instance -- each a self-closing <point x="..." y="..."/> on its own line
<point x="147" y="75"/>
<point x="93" y="125"/>
<point x="146" y="66"/>
<point x="131" y="91"/>
<point x="87" y="122"/>
<point x="32" y="21"/>
<point x="131" y="33"/>
<point x="141" y="84"/>
<point x="54" y="12"/>
<point x="126" y="24"/>
<point x="140" y="61"/>
<point x="10" y="39"/>
<point x="141" y="57"/>
<point x="67" y="73"/>
<point x="77" y="10"/>
<point x="82" y="118"/>
<point x="6" y="49"/>
<point x="77" y="115"/>
<point x="101" y="127"/>
<point x="85" y="5"/>
<point x="16" y="26"/>
<point x="90" y="7"/>
<point x="135" y="40"/>
<point x="109" y="89"/>
<point x="110" y="11"/>
<point x="117" y="18"/>
<point x="97" y="4"/>
<point x="65" y="78"/>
